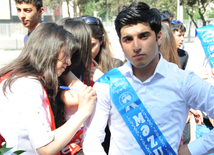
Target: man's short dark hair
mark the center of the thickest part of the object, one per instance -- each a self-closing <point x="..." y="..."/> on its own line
<point x="168" y="12"/>
<point x="37" y="3"/>
<point x="165" y="18"/>
<point x="138" y="12"/>
<point x="177" y="26"/>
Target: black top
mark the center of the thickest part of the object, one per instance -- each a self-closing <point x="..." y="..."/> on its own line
<point x="183" y="58"/>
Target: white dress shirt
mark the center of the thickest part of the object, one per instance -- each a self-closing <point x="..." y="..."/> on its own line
<point x="167" y="95"/>
<point x="23" y="119"/>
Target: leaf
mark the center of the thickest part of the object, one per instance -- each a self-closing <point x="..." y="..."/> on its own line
<point x="3" y="150"/>
<point x="19" y="152"/>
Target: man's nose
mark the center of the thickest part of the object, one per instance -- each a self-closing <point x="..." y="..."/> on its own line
<point x="182" y="38"/>
<point x="22" y="14"/>
<point x="136" y="45"/>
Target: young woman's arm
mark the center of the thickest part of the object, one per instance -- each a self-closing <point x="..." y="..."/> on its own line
<point x="62" y="135"/>
<point x="70" y="97"/>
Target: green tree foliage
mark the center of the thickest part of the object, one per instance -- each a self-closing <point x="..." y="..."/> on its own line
<point x="108" y="9"/>
<point x="88" y="8"/>
<point x="210" y="13"/>
<point x="194" y="7"/>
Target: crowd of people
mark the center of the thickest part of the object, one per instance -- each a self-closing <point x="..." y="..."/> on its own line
<point x="67" y="94"/>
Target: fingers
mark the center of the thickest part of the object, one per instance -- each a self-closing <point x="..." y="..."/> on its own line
<point x="199" y="117"/>
<point x="87" y="98"/>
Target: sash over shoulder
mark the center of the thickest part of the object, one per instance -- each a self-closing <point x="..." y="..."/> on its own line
<point x="135" y="115"/>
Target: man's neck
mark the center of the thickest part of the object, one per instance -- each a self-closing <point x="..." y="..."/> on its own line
<point x="30" y="29"/>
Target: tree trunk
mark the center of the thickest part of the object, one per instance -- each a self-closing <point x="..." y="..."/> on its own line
<point x="75" y="8"/>
<point x="79" y="7"/>
<point x="202" y="15"/>
<point x="190" y="24"/>
<point x="191" y="16"/>
<point x="52" y="13"/>
<point x="67" y="1"/>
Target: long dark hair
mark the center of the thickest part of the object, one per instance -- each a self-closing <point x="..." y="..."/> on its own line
<point x="80" y="69"/>
<point x="105" y="56"/>
<point x="39" y="56"/>
<point x="82" y="32"/>
<point x="168" y="46"/>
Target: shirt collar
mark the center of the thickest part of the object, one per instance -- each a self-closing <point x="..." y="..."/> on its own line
<point x="161" y="68"/>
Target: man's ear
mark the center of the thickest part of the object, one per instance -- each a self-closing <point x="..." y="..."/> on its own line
<point x="41" y="11"/>
<point x="159" y="38"/>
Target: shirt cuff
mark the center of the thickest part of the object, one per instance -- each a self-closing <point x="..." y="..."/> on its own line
<point x="196" y="147"/>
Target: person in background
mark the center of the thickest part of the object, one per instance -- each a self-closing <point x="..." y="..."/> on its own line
<point x="29" y="13"/>
<point x="168" y="47"/>
<point x="169" y="13"/>
<point x="165" y="19"/>
<point x="101" y="45"/>
<point x="27" y="121"/>
<point x="179" y="30"/>
<point x="66" y="102"/>
<point x="148" y="97"/>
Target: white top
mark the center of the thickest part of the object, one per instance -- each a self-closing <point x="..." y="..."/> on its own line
<point x="167" y="95"/>
<point x="23" y="119"/>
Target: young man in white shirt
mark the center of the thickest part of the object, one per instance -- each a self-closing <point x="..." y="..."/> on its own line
<point x="166" y="91"/>
<point x="29" y="13"/>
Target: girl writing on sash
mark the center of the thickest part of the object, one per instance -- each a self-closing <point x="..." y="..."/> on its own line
<point x="26" y="117"/>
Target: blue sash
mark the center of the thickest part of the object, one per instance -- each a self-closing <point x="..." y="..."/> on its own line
<point x="137" y="118"/>
<point x="206" y="36"/>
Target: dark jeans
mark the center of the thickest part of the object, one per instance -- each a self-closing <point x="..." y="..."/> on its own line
<point x="186" y="134"/>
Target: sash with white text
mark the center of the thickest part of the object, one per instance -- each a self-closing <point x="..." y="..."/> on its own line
<point x="206" y="36"/>
<point x="137" y="118"/>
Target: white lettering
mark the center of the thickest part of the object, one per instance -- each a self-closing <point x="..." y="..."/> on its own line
<point x="66" y="150"/>
<point x="153" y="143"/>
<point x="145" y="130"/>
<point x="138" y="119"/>
<point x="160" y="150"/>
<point x="81" y="136"/>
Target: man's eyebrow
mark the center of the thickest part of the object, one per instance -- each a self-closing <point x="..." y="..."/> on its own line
<point x="126" y="36"/>
<point x="23" y="8"/>
<point x="143" y="33"/>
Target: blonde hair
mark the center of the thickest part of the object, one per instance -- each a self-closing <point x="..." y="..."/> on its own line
<point x="168" y="46"/>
